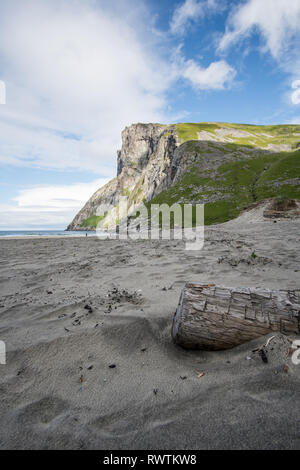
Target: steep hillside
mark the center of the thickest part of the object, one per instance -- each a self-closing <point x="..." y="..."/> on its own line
<point x="144" y="164"/>
<point x="226" y="166"/>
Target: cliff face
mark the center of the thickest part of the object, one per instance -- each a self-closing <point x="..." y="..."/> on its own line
<point x="226" y="166"/>
<point x="144" y="169"/>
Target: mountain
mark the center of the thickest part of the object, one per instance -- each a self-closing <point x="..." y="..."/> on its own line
<point x="226" y="166"/>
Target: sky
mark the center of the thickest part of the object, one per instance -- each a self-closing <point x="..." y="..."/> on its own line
<point x="75" y="73"/>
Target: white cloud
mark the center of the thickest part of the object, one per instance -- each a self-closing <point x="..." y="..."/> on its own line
<point x="182" y="16"/>
<point x="2" y="92"/>
<point x="47" y="205"/>
<point x="216" y="76"/>
<point x="81" y="69"/>
<point x="76" y="74"/>
<point x="295" y="120"/>
<point x="189" y="11"/>
<point x="12" y="218"/>
<point x="296" y="84"/>
<point x="277" y="20"/>
<point x="295" y="95"/>
<point x="58" y="197"/>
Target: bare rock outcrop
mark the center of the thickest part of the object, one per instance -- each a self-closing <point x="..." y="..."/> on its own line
<point x="144" y="168"/>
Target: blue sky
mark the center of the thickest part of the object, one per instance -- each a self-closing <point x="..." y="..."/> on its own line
<point x="77" y="72"/>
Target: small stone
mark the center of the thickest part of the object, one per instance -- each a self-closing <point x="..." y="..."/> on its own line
<point x="112" y="366"/>
<point x="286" y="369"/>
<point x="263" y="355"/>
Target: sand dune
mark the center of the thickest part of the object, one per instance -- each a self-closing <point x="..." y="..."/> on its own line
<point x="71" y="308"/>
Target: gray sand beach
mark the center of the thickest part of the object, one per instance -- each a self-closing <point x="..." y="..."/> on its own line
<point x="90" y="359"/>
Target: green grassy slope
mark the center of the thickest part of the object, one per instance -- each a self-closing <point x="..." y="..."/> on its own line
<point x="91" y="221"/>
<point x="236" y="185"/>
<point x="260" y="136"/>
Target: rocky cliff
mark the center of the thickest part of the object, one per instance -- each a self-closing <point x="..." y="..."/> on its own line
<point x="144" y="169"/>
<point x="227" y="166"/>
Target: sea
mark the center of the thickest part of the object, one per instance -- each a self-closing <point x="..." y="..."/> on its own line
<point x="45" y="233"/>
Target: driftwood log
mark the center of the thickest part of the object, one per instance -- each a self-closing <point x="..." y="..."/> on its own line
<point x="217" y="317"/>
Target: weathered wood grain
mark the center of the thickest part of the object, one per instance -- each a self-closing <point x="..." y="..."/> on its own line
<point x="217" y="317"/>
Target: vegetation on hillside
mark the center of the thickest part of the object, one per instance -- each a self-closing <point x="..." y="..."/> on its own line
<point x="91" y="222"/>
<point x="259" y="136"/>
<point x="236" y="185"/>
<point x="250" y="175"/>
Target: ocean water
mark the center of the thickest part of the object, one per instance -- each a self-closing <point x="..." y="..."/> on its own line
<point x="44" y="233"/>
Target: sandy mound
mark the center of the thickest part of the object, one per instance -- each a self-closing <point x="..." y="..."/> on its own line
<point x="264" y="211"/>
<point x="224" y="135"/>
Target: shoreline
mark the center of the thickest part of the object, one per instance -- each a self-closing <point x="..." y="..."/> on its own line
<point x="44" y="237"/>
